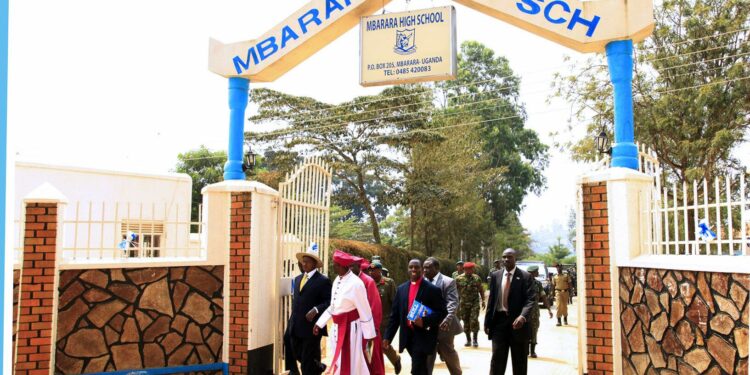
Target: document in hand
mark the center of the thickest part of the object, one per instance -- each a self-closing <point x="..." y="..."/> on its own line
<point x="418" y="310"/>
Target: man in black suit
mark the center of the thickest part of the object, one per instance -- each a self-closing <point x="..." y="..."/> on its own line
<point x="512" y="296"/>
<point x="419" y="336"/>
<point x="312" y="295"/>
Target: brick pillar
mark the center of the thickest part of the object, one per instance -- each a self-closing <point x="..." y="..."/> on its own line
<point x="598" y="289"/>
<point x="239" y="279"/>
<point x="37" y="290"/>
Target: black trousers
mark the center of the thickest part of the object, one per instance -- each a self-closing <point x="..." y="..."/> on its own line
<point x="290" y="360"/>
<point x="418" y="360"/>
<point x="505" y="338"/>
<point x="307" y="352"/>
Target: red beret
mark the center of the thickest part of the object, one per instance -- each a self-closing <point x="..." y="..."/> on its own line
<point x="364" y="265"/>
<point x="469" y="265"/>
<point x="343" y="259"/>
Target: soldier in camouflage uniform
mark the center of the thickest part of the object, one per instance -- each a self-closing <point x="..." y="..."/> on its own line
<point x="387" y="290"/>
<point x="470" y="296"/>
<point x="535" y="314"/>
<point x="459" y="270"/>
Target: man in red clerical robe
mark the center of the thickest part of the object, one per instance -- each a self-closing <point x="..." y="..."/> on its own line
<point x="377" y="363"/>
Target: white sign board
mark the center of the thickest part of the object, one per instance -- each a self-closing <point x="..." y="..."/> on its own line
<point x="583" y="25"/>
<point x="407" y="47"/>
<point x="290" y="42"/>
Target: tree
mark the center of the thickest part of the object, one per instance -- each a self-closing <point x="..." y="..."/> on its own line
<point x="205" y="167"/>
<point x="690" y="89"/>
<point x="488" y="86"/>
<point x="343" y="226"/>
<point x="363" y="139"/>
<point x="558" y="253"/>
<point x="445" y="188"/>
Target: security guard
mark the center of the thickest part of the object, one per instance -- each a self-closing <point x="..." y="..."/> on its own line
<point x="470" y="295"/>
<point x="561" y="286"/>
<point x="534" y="321"/>
<point x="459" y="269"/>
<point x="387" y="291"/>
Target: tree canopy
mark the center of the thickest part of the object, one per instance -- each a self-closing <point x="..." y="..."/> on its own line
<point x="691" y="89"/>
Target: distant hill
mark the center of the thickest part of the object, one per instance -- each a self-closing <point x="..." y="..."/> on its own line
<point x="546" y="236"/>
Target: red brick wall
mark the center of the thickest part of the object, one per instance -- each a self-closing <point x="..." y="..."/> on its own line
<point x="239" y="279"/>
<point x="37" y="290"/>
<point x="597" y="276"/>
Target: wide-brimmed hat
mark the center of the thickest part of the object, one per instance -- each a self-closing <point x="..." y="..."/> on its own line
<point x="312" y="252"/>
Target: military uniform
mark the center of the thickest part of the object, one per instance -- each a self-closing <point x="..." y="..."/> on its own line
<point x="469" y="289"/>
<point x="455" y="275"/>
<point x="535" y="313"/>
<point x="387" y="290"/>
<point x="561" y="284"/>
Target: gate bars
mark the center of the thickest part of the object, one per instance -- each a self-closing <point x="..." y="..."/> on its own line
<point x="304" y="217"/>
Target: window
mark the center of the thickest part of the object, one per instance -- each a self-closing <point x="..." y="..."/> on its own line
<point x="142" y="239"/>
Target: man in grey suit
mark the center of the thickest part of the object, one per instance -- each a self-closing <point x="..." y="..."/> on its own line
<point x="450" y="325"/>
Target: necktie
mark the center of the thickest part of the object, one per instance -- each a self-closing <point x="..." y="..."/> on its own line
<point x="506" y="291"/>
<point x="304" y="281"/>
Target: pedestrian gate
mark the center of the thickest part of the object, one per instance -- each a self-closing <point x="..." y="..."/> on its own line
<point x="304" y="216"/>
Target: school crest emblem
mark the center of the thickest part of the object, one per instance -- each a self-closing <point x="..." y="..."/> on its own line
<point x="405" y="42"/>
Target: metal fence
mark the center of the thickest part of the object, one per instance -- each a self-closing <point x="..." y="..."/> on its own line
<point x="122" y="232"/>
<point x="701" y="218"/>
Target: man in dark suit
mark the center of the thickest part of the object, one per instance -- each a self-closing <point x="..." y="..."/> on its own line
<point x="450" y="326"/>
<point x="312" y="295"/>
<point x="418" y="336"/>
<point x="512" y="296"/>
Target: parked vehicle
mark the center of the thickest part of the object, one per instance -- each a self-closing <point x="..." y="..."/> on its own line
<point x="543" y="272"/>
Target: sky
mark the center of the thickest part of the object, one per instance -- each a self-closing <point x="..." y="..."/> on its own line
<point x="124" y="85"/>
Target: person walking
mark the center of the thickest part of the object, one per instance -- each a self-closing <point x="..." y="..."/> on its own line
<point x="352" y="318"/>
<point x="541" y="296"/>
<point x="450" y="326"/>
<point x="417" y="333"/>
<point x="561" y="285"/>
<point x="311" y="296"/>
<point x="290" y="360"/>
<point x="375" y="362"/>
<point x="512" y="297"/>
<point x="459" y="269"/>
<point x="387" y="290"/>
<point x="470" y="297"/>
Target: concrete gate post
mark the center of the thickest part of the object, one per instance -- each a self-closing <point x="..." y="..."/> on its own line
<point x="612" y="210"/>
<point x="242" y="221"/>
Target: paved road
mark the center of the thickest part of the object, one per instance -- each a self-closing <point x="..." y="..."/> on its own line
<point x="557" y="350"/>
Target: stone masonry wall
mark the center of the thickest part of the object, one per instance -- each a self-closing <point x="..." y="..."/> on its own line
<point x="684" y="322"/>
<point x="596" y="262"/>
<point x="117" y="319"/>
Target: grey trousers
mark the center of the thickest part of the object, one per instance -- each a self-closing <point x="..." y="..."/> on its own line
<point x="447" y="352"/>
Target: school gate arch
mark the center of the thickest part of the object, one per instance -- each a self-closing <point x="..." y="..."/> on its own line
<point x="610" y="26"/>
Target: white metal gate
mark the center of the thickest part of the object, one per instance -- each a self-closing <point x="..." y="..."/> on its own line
<point x="304" y="216"/>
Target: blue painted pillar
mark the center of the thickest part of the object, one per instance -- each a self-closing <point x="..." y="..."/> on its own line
<point x="620" y="60"/>
<point x="3" y="172"/>
<point x="238" y="96"/>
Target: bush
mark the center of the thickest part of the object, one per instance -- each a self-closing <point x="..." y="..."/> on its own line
<point x="394" y="259"/>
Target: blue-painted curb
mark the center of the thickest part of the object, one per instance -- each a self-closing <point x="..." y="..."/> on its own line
<point x="224" y="367"/>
